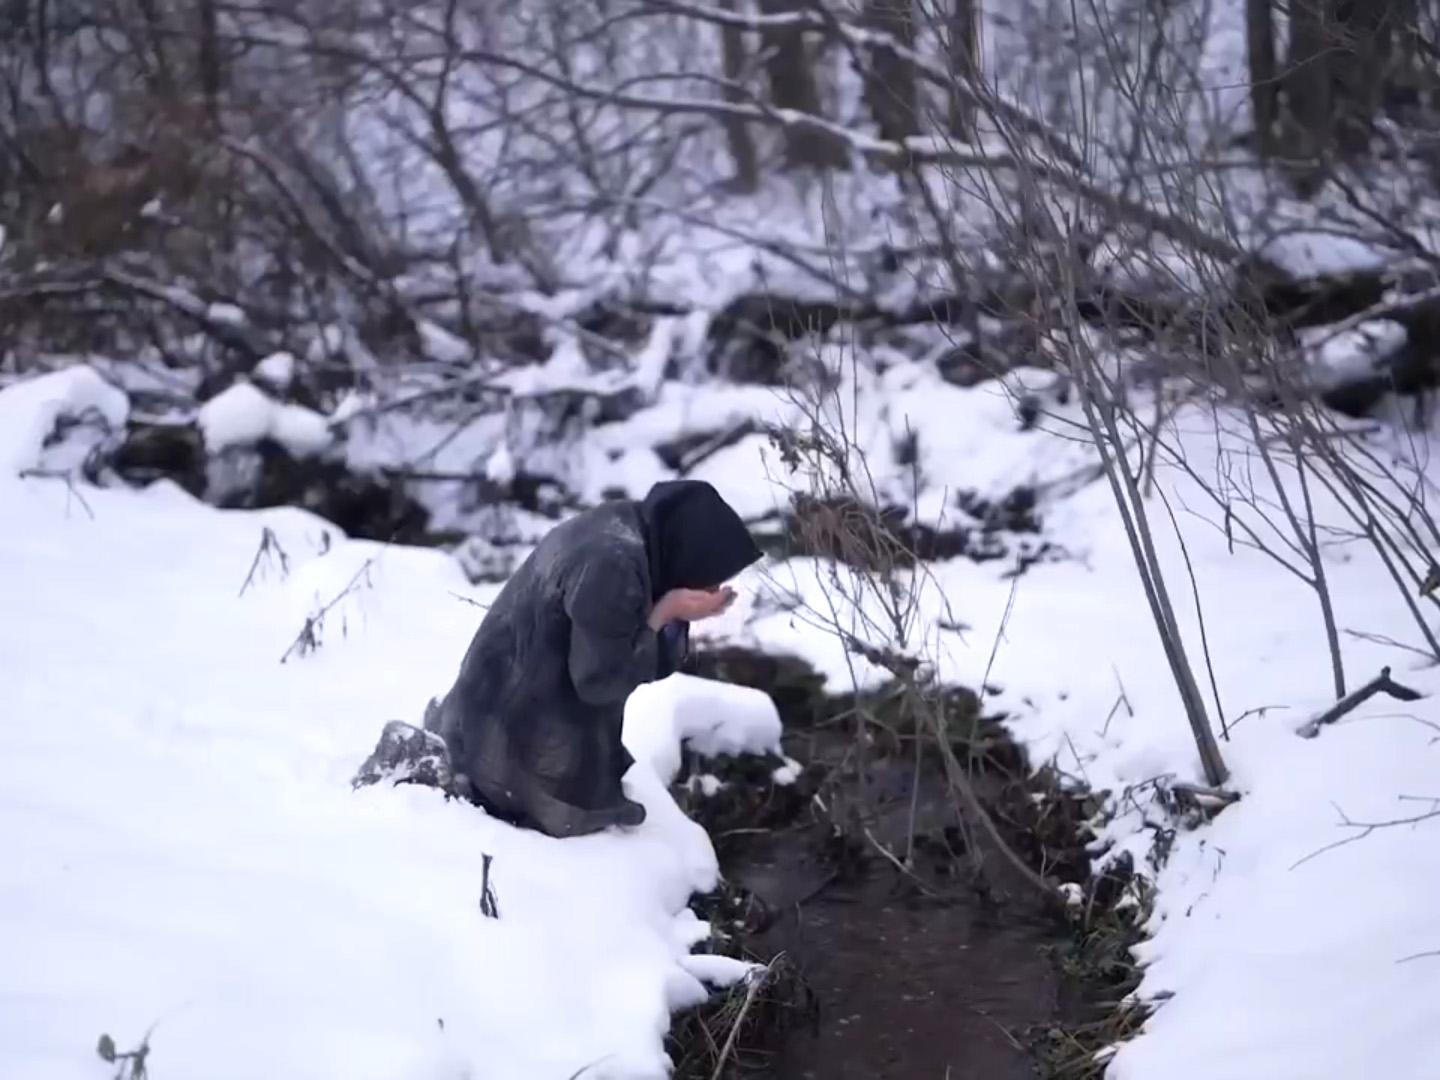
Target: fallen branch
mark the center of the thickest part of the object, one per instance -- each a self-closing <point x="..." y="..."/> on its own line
<point x="1202" y="797"/>
<point x="702" y="453"/>
<point x="1381" y="684"/>
<point x="1406" y="305"/>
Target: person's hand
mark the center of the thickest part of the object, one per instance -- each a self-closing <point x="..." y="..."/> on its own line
<point x="690" y="605"/>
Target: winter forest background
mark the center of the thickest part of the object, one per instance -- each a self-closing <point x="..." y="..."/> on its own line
<point x="1073" y="360"/>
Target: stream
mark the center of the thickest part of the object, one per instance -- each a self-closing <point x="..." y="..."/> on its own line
<point x="887" y="967"/>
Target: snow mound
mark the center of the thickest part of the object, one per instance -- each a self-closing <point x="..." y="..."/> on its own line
<point x="1352" y="354"/>
<point x="276" y="370"/>
<point x="31" y="410"/>
<point x="1305" y="253"/>
<point x="713" y="718"/>
<point x="244" y="415"/>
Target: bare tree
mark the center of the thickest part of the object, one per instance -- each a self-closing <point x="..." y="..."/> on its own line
<point x="1264" y="74"/>
<point x="963" y="52"/>
<point x="1309" y="80"/>
<point x="790" y="70"/>
<point x="889" y="78"/>
<point x="737" y="132"/>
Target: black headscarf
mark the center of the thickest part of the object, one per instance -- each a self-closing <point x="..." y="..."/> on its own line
<point x="693" y="537"/>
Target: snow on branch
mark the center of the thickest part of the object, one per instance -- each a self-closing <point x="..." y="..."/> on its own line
<point x="875" y="40"/>
<point x="1052" y="161"/>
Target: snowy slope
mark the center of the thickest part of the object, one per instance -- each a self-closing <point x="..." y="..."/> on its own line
<point x="180" y="847"/>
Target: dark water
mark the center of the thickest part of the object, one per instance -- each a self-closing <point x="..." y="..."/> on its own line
<point x="906" y="986"/>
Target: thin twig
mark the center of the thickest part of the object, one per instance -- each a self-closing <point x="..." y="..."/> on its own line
<point x="268" y="543"/>
<point x="894" y="861"/>
<point x="757" y="981"/>
<point x="307" y="639"/>
<point x="70" y="487"/>
<point x="1368" y="828"/>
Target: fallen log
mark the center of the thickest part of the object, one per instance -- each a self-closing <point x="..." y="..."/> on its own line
<point x="1381" y="684"/>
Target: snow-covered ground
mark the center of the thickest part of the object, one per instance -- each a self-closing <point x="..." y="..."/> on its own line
<point x="180" y="843"/>
<point x="180" y="846"/>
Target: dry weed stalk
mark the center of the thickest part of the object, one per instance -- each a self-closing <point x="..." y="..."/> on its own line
<point x="876" y="590"/>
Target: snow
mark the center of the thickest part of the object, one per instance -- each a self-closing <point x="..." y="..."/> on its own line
<point x="442" y="345"/>
<point x="1355" y="352"/>
<point x="749" y="475"/>
<point x="714" y="719"/>
<point x="180" y="847"/>
<point x="633" y="470"/>
<point x="654" y="358"/>
<point x="719" y="970"/>
<point x="244" y="415"/>
<point x="226" y="314"/>
<point x="276" y="370"/>
<point x="706" y="784"/>
<point x="1239" y="923"/>
<point x="1318" y="252"/>
<point x="29" y="411"/>
<point x="500" y="466"/>
<point x="788" y="773"/>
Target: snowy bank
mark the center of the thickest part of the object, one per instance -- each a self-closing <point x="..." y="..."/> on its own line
<point x="180" y="846"/>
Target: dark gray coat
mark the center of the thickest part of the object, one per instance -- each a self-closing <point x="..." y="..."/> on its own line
<point x="534" y="718"/>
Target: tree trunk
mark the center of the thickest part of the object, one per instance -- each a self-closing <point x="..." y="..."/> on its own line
<point x="209" y="63"/>
<point x="791" y="76"/>
<point x="890" y="79"/>
<point x="1264" y="74"/>
<point x="1365" y="49"/>
<point x="737" y="132"/>
<point x="1309" y="84"/>
<point x="1411" y="76"/>
<point x="964" y="50"/>
<point x="164" y="80"/>
<point x="1341" y="63"/>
